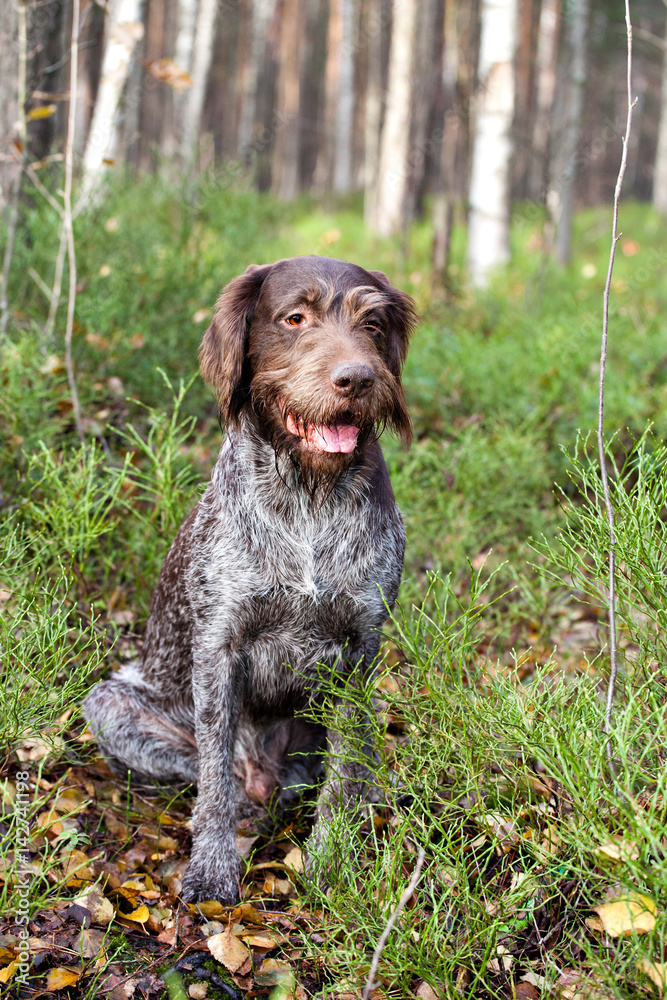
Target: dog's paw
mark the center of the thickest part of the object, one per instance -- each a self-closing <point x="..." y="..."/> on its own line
<point x="204" y="879"/>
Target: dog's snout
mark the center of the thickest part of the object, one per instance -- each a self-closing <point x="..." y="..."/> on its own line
<point x="352" y="378"/>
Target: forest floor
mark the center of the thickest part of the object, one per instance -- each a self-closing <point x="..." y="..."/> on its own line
<point x="543" y="876"/>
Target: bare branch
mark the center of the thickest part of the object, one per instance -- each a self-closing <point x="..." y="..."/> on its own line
<point x="615" y="236"/>
<point x="67" y="216"/>
<point x="384" y="937"/>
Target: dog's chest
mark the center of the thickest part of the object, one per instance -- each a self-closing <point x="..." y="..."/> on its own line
<point x="297" y="592"/>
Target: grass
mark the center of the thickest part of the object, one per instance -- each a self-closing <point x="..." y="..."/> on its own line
<point x="487" y="720"/>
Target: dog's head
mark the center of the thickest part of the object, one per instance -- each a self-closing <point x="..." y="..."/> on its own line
<point x="311" y="349"/>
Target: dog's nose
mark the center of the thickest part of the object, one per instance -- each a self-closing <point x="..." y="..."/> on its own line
<point x="352" y="378"/>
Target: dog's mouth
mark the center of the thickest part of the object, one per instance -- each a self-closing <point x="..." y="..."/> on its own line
<point x="338" y="437"/>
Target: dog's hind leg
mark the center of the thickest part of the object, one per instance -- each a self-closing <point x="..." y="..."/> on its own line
<point x="136" y="732"/>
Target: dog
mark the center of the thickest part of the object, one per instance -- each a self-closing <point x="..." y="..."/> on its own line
<point x="285" y="567"/>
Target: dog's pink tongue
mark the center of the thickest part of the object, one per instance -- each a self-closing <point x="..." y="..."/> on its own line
<point x="338" y="437"/>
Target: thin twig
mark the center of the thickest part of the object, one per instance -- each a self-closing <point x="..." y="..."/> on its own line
<point x="615" y="236"/>
<point x="370" y="984"/>
<point x="67" y="216"/>
<point x="57" y="282"/>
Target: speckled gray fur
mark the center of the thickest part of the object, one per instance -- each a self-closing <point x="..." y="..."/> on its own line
<point x="269" y="576"/>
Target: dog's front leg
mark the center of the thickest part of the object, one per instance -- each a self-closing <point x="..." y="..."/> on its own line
<point x="213" y="871"/>
<point x="348" y="774"/>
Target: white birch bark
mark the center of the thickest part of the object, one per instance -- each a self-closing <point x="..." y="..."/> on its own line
<point x="560" y="197"/>
<point x="388" y="214"/>
<point x="183" y="57"/>
<point x="202" y="54"/>
<point x="9" y="117"/>
<point x="373" y="107"/>
<point x="342" y="175"/>
<point x="488" y="227"/>
<point x="444" y="194"/>
<point x="660" y="172"/>
<point x="262" y="14"/>
<point x="124" y="29"/>
<point x="545" y="72"/>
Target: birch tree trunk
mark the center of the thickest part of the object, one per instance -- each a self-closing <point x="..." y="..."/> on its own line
<point x="444" y="194"/>
<point x="124" y="29"/>
<point x="285" y="159"/>
<point x="9" y="116"/>
<point x="261" y="13"/>
<point x="202" y="54"/>
<point x="334" y="161"/>
<point x="560" y="197"/>
<point x="183" y="57"/>
<point x="388" y="214"/>
<point x="342" y="175"/>
<point x="660" y="172"/>
<point x="324" y="167"/>
<point x="373" y="106"/>
<point x="488" y="227"/>
<point x="545" y="70"/>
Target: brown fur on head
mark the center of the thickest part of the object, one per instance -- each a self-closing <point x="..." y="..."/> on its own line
<point x="282" y="335"/>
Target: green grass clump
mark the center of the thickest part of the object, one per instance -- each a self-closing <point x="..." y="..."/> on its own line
<point x="505" y="785"/>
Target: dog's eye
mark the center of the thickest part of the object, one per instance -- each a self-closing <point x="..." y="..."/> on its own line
<point x="372" y="328"/>
<point x="296" y="319"/>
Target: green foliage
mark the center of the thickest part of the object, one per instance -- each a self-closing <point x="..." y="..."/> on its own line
<point x="505" y="784"/>
<point x="48" y="652"/>
<point x="638" y="490"/>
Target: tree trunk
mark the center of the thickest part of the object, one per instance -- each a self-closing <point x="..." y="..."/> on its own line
<point x="443" y="199"/>
<point x="488" y="228"/>
<point x="560" y="197"/>
<point x="202" y="53"/>
<point x="183" y="57"/>
<point x="9" y="78"/>
<point x="124" y="29"/>
<point x="545" y="69"/>
<point x="342" y="176"/>
<point x="334" y="160"/>
<point x="286" y="148"/>
<point x="373" y="106"/>
<point x="322" y="177"/>
<point x="261" y="14"/>
<point x="660" y="172"/>
<point x="388" y="214"/>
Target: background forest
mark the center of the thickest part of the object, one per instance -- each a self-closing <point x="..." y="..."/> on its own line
<point x="149" y="151"/>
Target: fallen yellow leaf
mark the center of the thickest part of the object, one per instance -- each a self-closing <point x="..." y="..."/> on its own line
<point x="264" y="939"/>
<point x="633" y="913"/>
<point x="246" y="913"/>
<point x="210" y="908"/>
<point x="6" y="973"/>
<point x="59" y="978"/>
<point x="139" y="916"/>
<point x="619" y="850"/>
<point x="294" y="859"/>
<point x="274" y="972"/>
<point x="657" y="973"/>
<point x="228" y="950"/>
<point x="101" y="908"/>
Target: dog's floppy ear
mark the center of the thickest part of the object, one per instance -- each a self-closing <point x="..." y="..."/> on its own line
<point x="402" y="320"/>
<point x="224" y="349"/>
